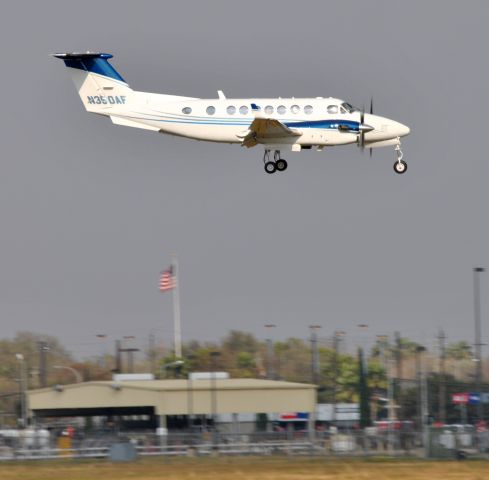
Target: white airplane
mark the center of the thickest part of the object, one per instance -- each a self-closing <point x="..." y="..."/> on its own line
<point x="291" y="124"/>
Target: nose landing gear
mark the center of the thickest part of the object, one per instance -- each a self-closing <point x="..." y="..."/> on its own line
<point x="400" y="166"/>
<point x="276" y="165"/>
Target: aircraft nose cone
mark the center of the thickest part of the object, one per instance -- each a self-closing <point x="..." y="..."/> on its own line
<point x="402" y="130"/>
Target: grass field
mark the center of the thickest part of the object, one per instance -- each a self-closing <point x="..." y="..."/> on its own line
<point x="249" y="468"/>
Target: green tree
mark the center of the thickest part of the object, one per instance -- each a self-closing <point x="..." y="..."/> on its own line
<point x="459" y="351"/>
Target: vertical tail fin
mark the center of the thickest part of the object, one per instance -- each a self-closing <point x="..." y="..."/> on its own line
<point x="99" y="85"/>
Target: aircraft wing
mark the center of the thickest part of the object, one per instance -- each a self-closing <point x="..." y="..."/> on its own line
<point x="264" y="130"/>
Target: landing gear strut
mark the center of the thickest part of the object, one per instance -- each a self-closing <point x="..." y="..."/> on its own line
<point x="400" y="166"/>
<point x="276" y="165"/>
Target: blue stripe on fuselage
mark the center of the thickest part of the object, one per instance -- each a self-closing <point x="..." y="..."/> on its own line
<point x="351" y="125"/>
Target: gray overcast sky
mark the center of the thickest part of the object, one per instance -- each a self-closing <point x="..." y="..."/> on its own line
<point x="91" y="212"/>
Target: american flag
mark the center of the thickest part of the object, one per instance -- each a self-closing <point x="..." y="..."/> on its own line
<point x="167" y="280"/>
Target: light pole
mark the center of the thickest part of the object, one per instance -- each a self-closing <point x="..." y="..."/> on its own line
<point x="102" y="337"/>
<point x="22" y="388"/>
<point x="363" y="343"/>
<point x="420" y="377"/>
<point x="130" y="351"/>
<point x="214" y="356"/>
<point x="315" y="370"/>
<point x="76" y="373"/>
<point x="270" y="369"/>
<point x="190" y="393"/>
<point x="478" y="337"/>
<point x="338" y="335"/>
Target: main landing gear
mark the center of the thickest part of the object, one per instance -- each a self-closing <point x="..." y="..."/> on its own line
<point x="400" y="166"/>
<point x="276" y="165"/>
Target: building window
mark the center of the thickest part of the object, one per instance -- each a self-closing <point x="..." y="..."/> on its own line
<point x="333" y="109"/>
<point x="268" y="109"/>
<point x="231" y="109"/>
<point x="281" y="109"/>
<point x="187" y="110"/>
<point x="211" y="110"/>
<point x="243" y="110"/>
<point x="308" y="109"/>
<point x="295" y="108"/>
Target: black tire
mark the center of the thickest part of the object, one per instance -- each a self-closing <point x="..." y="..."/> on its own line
<point x="400" y="167"/>
<point x="281" y="165"/>
<point x="270" y="167"/>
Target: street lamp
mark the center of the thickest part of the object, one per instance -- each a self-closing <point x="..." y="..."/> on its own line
<point x="478" y="336"/>
<point x="76" y="373"/>
<point x="338" y="335"/>
<point x="270" y="369"/>
<point x="214" y="356"/>
<point x="102" y="337"/>
<point x="22" y="389"/>
<point x="314" y="354"/>
<point x="190" y="393"/>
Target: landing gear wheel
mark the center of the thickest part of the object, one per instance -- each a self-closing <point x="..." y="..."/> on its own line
<point x="400" y="167"/>
<point x="270" y="167"/>
<point x="281" y="165"/>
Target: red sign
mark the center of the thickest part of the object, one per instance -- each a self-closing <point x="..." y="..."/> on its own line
<point x="460" y="398"/>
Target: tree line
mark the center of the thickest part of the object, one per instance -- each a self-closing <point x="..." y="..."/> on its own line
<point x="342" y="375"/>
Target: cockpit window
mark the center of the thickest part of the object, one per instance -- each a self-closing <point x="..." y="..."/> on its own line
<point x="332" y="108"/>
<point x="349" y="108"/>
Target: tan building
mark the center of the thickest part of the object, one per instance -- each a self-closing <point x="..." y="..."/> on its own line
<point x="162" y="399"/>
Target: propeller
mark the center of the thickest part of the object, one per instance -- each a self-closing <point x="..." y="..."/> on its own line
<point x="363" y="128"/>
<point x="371" y="113"/>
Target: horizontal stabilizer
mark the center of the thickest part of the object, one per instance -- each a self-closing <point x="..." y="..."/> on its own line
<point x="91" y="62"/>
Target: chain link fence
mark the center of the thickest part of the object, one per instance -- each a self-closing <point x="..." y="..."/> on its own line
<point x="435" y="443"/>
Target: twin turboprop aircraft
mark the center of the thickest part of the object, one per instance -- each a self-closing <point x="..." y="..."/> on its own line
<point x="278" y="124"/>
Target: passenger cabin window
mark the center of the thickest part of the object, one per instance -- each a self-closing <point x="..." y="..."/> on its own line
<point x="332" y="109"/>
<point x="295" y="109"/>
<point x="308" y="109"/>
<point x="243" y="110"/>
<point x="281" y="109"/>
<point x="231" y="109"/>
<point x="269" y="109"/>
<point x="187" y="110"/>
<point x="211" y="110"/>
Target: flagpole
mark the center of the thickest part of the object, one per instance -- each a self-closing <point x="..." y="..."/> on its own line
<point x="177" y="327"/>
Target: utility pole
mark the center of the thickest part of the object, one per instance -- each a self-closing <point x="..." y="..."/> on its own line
<point x="270" y="355"/>
<point x="442" y="380"/>
<point x="43" y="348"/>
<point x="315" y="370"/>
<point x="478" y="338"/>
